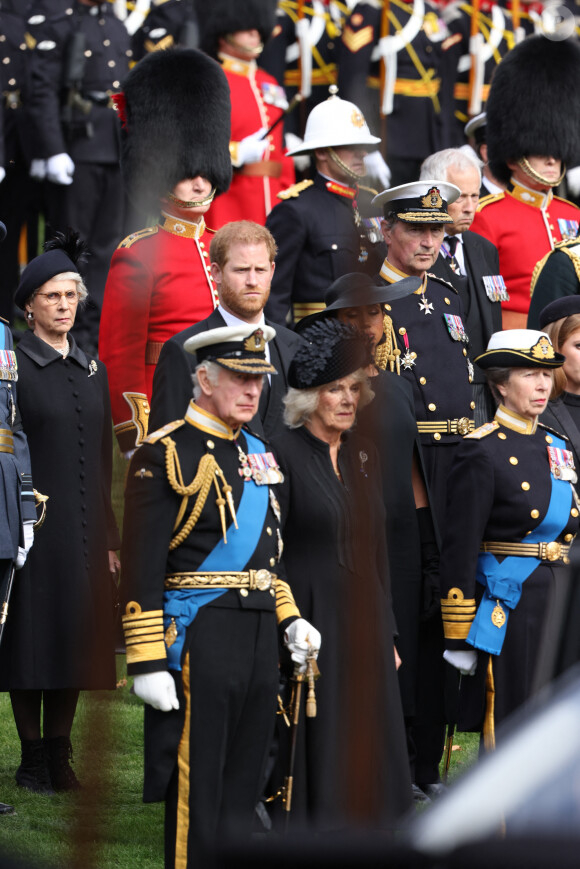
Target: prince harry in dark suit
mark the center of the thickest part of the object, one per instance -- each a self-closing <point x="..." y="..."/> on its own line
<point x="469" y="262"/>
<point x="242" y="257"/>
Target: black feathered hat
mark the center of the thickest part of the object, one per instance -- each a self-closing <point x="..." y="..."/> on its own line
<point x="63" y="253"/>
<point x="332" y="350"/>
<point x="534" y="104"/>
<point x="220" y="17"/>
<point x="176" y="117"/>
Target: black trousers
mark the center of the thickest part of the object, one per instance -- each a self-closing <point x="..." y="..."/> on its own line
<point x="227" y="689"/>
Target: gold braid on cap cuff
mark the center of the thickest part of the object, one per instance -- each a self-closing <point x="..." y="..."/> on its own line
<point x="458" y="614"/>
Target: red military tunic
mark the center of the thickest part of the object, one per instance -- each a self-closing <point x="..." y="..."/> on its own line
<point x="524" y="225"/>
<point x="257" y="101"/>
<point x="159" y="283"/>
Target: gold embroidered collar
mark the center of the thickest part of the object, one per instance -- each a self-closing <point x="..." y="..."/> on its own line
<point x="236" y="65"/>
<point x="207" y="422"/>
<point x="178" y="226"/>
<point x="391" y="274"/>
<point x="512" y="420"/>
<point x="537" y="198"/>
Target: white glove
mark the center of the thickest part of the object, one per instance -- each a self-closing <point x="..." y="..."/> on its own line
<point x="157" y="689"/>
<point x="28" y="533"/>
<point x="573" y="180"/>
<point x="465" y="662"/>
<point x="301" y="161"/>
<point x="2" y="174"/>
<point x="376" y="166"/>
<point x="38" y="169"/>
<point x="302" y="639"/>
<point x="20" y="559"/>
<point x="60" y="169"/>
<point x="252" y="148"/>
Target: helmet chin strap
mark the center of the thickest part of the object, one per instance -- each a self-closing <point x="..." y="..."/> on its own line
<point x="524" y="165"/>
<point x="192" y="203"/>
<point x="250" y="53"/>
<point x="350" y="172"/>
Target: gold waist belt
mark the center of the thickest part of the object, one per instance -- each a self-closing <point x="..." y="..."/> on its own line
<point x="253" y="580"/>
<point x="6" y="441"/>
<point x="410" y="87"/>
<point x="303" y="309"/>
<point x="325" y="76"/>
<point x="461" y="91"/>
<point x="152" y="352"/>
<point x="553" y="551"/>
<point x="447" y="426"/>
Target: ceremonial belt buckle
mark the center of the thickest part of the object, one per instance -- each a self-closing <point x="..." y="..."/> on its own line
<point x="260" y="579"/>
<point x="462" y="425"/>
<point x="551" y="551"/>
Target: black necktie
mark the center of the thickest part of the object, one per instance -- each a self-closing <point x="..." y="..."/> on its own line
<point x="452" y="241"/>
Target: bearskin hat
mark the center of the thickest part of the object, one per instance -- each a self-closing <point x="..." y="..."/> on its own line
<point x="220" y="17"/>
<point x="534" y="104"/>
<point x="176" y="118"/>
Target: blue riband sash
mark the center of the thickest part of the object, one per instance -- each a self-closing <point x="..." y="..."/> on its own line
<point x="503" y="581"/>
<point x="183" y="604"/>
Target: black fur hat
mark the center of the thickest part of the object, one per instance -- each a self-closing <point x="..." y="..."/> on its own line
<point x="176" y="124"/>
<point x="534" y="104"/>
<point x="219" y="17"/>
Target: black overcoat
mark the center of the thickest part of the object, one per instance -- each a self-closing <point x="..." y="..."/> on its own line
<point x="59" y="634"/>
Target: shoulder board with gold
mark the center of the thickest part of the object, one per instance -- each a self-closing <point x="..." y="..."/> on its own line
<point x="137" y="236"/>
<point x="295" y="190"/>
<point x="4" y="321"/>
<point x="491" y="197"/>
<point x="163" y="431"/>
<point x="441" y="281"/>
<point x="553" y="431"/>
<point x="483" y="431"/>
<point x="567" y="201"/>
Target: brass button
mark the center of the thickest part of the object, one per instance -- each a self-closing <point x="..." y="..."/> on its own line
<point x="548" y="439"/>
<point x="269" y="531"/>
<point x="464" y="352"/>
<point x="272" y="592"/>
<point x="574" y="512"/>
<point x="513" y="460"/>
<point x="432" y="407"/>
<point x="437" y="436"/>
<point x="534" y="514"/>
<point x="472" y="405"/>
<point x="272" y="562"/>
<point x="244" y="592"/>
<point x="446" y="300"/>
<point x="568" y="538"/>
<point x="210" y="445"/>
<point x="402" y="331"/>
<point x="501" y="435"/>
<point x="422" y="381"/>
<point x="566" y="560"/>
<point x="525" y="486"/>
<point x="387" y="307"/>
<point x="334" y="247"/>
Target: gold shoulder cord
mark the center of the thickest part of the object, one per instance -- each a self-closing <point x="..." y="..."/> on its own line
<point x="208" y="472"/>
<point x="387" y="353"/>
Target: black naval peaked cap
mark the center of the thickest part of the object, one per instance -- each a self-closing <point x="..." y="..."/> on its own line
<point x="241" y="349"/>
<point x="558" y="309"/>
<point x="419" y="201"/>
<point x="332" y="350"/>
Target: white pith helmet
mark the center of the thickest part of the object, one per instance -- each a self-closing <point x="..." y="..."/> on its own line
<point x="333" y="123"/>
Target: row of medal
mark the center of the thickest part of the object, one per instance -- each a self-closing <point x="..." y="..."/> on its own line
<point x="262" y="468"/>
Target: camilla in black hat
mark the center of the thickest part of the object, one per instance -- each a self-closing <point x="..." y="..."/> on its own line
<point x="59" y="638"/>
<point x="336" y="561"/>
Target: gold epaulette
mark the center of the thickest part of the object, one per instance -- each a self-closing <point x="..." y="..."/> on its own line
<point x="137" y="236"/>
<point x="143" y="634"/>
<point x="441" y="281"/>
<point x="295" y="190"/>
<point x="164" y="430"/>
<point x="483" y="431"/>
<point x="491" y="197"/>
<point x="457" y="614"/>
<point x="285" y="603"/>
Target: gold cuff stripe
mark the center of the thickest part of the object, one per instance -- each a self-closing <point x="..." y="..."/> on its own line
<point x="456" y="632"/>
<point x="285" y="604"/>
<point x="146" y="652"/>
<point x="463" y="617"/>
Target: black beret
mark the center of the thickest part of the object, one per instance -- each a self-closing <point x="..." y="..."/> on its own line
<point x="40" y="270"/>
<point x="559" y="308"/>
<point x="333" y="350"/>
